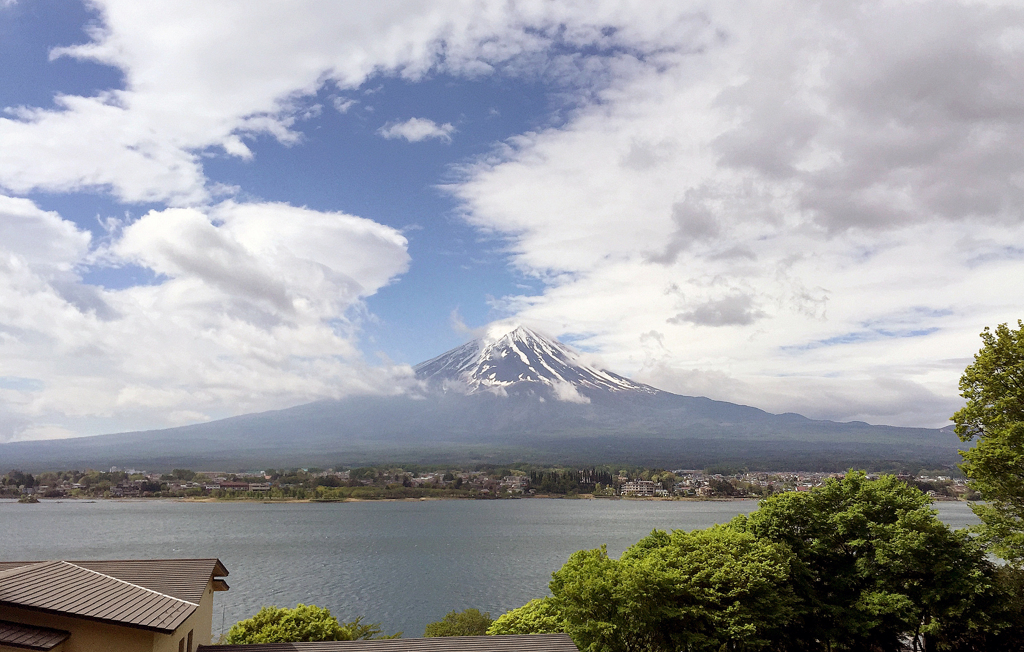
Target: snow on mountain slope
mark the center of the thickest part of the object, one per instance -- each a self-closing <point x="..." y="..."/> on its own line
<point x="519" y="358"/>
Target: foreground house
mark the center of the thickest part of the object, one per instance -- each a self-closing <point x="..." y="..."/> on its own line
<point x="162" y="605"/>
<point x="522" y="643"/>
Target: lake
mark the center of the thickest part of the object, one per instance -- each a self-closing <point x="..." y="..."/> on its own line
<point x="403" y="564"/>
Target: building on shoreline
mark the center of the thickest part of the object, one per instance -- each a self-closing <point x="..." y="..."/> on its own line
<point x="638" y="488"/>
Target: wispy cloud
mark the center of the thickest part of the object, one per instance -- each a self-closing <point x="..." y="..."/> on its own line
<point x="857" y="337"/>
<point x="457" y="323"/>
<point x="415" y="130"/>
<point x="343" y="104"/>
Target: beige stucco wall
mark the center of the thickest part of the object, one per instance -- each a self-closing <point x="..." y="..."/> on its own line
<point x="86" y="635"/>
<point x="204" y="617"/>
<point x="200" y="623"/>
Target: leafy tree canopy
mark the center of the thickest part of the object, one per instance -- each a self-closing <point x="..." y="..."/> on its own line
<point x="678" y="591"/>
<point x="873" y="564"/>
<point x="541" y="616"/>
<point x="855" y="565"/>
<point x="460" y="623"/>
<point x="994" y="416"/>
<point x="304" y="623"/>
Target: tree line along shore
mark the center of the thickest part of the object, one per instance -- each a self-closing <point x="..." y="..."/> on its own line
<point x="415" y="482"/>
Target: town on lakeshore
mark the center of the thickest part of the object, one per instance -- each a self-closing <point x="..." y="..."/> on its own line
<point x="415" y="482"/>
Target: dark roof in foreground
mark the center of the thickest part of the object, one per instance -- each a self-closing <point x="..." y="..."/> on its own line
<point x="179" y="578"/>
<point x="521" y="643"/>
<point x="163" y="594"/>
<point x="29" y="637"/>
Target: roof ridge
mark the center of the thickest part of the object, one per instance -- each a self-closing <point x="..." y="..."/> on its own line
<point x="116" y="579"/>
<point x="109" y="561"/>
<point x="18" y="570"/>
<point x="215" y="560"/>
<point x="139" y="561"/>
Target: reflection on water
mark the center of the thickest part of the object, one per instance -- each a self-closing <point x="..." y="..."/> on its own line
<point x="404" y="564"/>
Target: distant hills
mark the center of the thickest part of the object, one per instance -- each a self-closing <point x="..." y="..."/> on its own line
<point x="519" y="397"/>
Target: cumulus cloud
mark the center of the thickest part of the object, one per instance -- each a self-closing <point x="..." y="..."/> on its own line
<point x="250" y="305"/>
<point x="860" y="162"/>
<point x="415" y="130"/>
<point x="853" y="171"/>
<point x="40" y="239"/>
<point x="194" y="92"/>
<point x="254" y="305"/>
<point x="567" y="393"/>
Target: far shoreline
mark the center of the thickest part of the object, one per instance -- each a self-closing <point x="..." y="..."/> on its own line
<point x="279" y="501"/>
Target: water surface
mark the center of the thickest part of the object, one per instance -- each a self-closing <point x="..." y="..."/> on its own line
<point x="404" y="564"/>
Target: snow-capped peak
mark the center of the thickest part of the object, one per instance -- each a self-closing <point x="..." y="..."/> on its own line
<point x="501" y="360"/>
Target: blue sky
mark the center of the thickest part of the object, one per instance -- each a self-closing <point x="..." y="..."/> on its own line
<point x="340" y="164"/>
<point x="208" y="209"/>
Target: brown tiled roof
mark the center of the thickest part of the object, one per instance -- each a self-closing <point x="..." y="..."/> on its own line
<point x="62" y="587"/>
<point x="521" y="643"/>
<point x="179" y="578"/>
<point x="29" y="637"/>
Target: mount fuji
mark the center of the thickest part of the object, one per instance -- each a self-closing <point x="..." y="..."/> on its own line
<point x="517" y="395"/>
<point x="521" y="360"/>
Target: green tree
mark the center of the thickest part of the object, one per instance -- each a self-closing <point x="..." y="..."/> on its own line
<point x="873" y="566"/>
<point x="301" y="624"/>
<point x="856" y="564"/>
<point x="994" y="417"/>
<point x="541" y="616"/>
<point x="681" y="591"/>
<point x="1005" y="630"/>
<point x="460" y="623"/>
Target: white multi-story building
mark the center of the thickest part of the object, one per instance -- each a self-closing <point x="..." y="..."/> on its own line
<point x="516" y="483"/>
<point x="638" y="488"/>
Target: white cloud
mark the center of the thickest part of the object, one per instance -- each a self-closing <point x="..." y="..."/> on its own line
<point x="819" y="218"/>
<point x="40" y="239"/>
<point x="456" y="322"/>
<point x="201" y="77"/>
<point x="568" y="393"/>
<point x="813" y="206"/>
<point x="255" y="306"/>
<point x="343" y="104"/>
<point x="415" y="130"/>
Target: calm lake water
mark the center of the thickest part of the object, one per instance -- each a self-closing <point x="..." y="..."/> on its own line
<point x="403" y="564"/>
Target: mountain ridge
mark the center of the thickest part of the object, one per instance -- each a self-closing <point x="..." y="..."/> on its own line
<point x="517" y="396"/>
